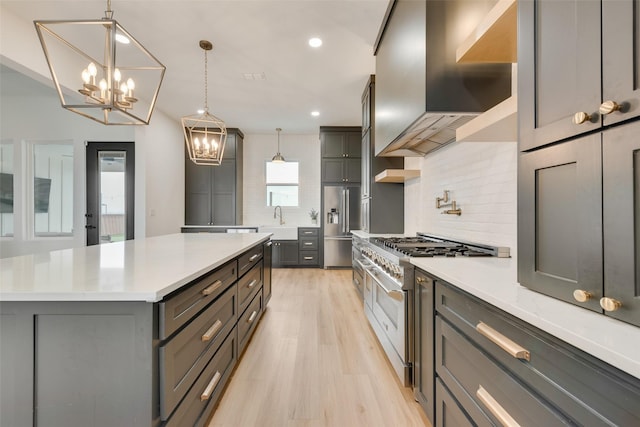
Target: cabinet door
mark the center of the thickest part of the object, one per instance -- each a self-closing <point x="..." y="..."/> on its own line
<point x="332" y="144"/>
<point x="266" y="272"/>
<point x="621" y="216"/>
<point x="289" y="252"/>
<point x="352" y="146"/>
<point x="332" y="170"/>
<point x="352" y="170"/>
<point x="423" y="369"/>
<point x="620" y="58"/>
<point x="223" y="198"/>
<point x="558" y="69"/>
<point x="365" y="169"/>
<point x="559" y="220"/>
<point x="197" y="194"/>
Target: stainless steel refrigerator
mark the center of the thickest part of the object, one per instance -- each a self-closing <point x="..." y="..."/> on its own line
<point x="341" y="205"/>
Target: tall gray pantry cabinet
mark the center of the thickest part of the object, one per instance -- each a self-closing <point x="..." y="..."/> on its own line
<point x="579" y="167"/>
<point x="213" y="194"/>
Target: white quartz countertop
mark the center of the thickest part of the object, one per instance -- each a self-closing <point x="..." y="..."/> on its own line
<point x="135" y="270"/>
<point x="494" y="280"/>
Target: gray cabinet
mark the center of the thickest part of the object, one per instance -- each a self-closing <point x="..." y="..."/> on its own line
<point x="573" y="57"/>
<point x="285" y="253"/>
<point x="213" y="194"/>
<point x="423" y="365"/>
<point x="382" y="208"/>
<point x="267" y="251"/>
<point x="577" y="210"/>
<point x="340" y="150"/>
<point x="308" y="246"/>
<point x="488" y="359"/>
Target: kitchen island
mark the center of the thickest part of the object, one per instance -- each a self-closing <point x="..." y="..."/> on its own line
<point x="138" y="333"/>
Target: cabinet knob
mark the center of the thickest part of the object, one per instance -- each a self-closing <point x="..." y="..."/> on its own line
<point x="581" y="295"/>
<point x="581" y="117"/>
<point x="610" y="304"/>
<point x="608" y="107"/>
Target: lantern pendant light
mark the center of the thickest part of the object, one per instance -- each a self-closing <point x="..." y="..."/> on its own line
<point x="100" y="71"/>
<point x="205" y="134"/>
<point x="278" y="157"/>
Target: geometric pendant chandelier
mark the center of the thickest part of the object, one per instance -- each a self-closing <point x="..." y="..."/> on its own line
<point x="204" y="134"/>
<point x="100" y="70"/>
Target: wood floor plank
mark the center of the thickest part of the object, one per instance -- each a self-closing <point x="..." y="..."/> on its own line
<point x="314" y="361"/>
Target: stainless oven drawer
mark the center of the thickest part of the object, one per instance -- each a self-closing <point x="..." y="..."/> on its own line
<point x="388" y="306"/>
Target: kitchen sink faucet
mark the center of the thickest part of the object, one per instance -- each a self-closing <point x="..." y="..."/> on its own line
<point x="275" y="211"/>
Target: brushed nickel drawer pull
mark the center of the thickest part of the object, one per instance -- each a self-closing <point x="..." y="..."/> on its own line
<point x="494" y="407"/>
<point x="252" y="284"/>
<point x="252" y="317"/>
<point x="308" y="258"/>
<point x="308" y="243"/>
<point x="503" y="342"/>
<point x="308" y="232"/>
<point x="212" y="331"/>
<point x="253" y="257"/>
<point x="212" y="288"/>
<point x="206" y="394"/>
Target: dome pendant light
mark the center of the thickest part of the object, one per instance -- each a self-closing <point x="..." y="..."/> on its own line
<point x="205" y="134"/>
<point x="278" y="157"/>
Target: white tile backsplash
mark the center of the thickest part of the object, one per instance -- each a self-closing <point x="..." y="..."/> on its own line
<point x="260" y="148"/>
<point x="481" y="177"/>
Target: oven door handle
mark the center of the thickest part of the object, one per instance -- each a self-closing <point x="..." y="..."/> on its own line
<point x="393" y="293"/>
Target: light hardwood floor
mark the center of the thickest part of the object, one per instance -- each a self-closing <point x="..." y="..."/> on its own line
<point x="314" y="361"/>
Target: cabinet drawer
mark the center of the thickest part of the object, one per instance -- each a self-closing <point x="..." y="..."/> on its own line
<point x="483" y="388"/>
<point x="248" y="321"/>
<point x="249" y="259"/>
<point x="185" y="355"/>
<point x="448" y="411"/>
<point x="308" y="243"/>
<point x="307" y="232"/>
<point x="178" y="308"/>
<point x="308" y="258"/>
<point x="194" y="410"/>
<point x="248" y="285"/>
<point x="588" y="390"/>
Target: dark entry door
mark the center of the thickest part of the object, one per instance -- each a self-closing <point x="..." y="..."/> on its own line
<point x="110" y="192"/>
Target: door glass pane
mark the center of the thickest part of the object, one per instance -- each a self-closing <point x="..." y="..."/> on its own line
<point x="53" y="189"/>
<point x="111" y="165"/>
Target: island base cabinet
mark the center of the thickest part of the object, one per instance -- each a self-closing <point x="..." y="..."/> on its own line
<point x="448" y="411"/>
<point x="78" y="364"/>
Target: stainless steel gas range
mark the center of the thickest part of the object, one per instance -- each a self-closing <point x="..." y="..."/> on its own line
<point x="388" y="290"/>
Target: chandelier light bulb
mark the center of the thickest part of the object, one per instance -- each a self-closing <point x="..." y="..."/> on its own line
<point x="93" y="71"/>
<point x="86" y="78"/>
<point x="130" y="84"/>
<point x="116" y="75"/>
<point x="196" y="142"/>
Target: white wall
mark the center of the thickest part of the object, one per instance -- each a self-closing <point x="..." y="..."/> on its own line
<point x="260" y="148"/>
<point x="481" y="178"/>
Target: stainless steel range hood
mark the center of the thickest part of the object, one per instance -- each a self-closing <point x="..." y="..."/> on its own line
<point x="422" y="94"/>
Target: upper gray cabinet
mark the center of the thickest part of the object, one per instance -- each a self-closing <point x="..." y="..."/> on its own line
<point x="340" y="148"/>
<point x="213" y="194"/>
<point x="578" y="67"/>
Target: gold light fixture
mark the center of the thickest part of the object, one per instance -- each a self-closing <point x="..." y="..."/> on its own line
<point x="278" y="157"/>
<point x="205" y="134"/>
<point x="100" y="70"/>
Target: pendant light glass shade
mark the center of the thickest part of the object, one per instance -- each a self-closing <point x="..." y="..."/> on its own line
<point x="100" y="70"/>
<point x="278" y="157"/>
<point x="205" y="134"/>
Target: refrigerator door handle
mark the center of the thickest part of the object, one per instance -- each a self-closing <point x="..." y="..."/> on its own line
<point x="347" y="216"/>
<point x="344" y="213"/>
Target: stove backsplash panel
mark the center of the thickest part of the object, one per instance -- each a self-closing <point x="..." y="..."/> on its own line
<point x="481" y="177"/>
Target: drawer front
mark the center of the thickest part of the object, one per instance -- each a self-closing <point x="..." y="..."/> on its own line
<point x="448" y="411"/>
<point x="308" y="243"/>
<point x="248" y="285"/>
<point x="307" y="232"/>
<point x="308" y="258"/>
<point x="589" y="391"/>
<point x="250" y="258"/>
<point x="185" y="355"/>
<point x="179" y="308"/>
<point x="196" y="407"/>
<point x="358" y="281"/>
<point x="483" y="388"/>
<point x="248" y="321"/>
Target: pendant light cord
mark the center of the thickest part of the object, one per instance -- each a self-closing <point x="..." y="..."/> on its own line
<point x="108" y="14"/>
<point x="206" y="80"/>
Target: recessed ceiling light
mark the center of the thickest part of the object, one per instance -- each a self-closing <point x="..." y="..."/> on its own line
<point x="315" y="42"/>
<point x="315" y="113"/>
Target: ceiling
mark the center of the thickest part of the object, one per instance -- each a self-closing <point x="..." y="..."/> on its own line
<point x="262" y="37"/>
